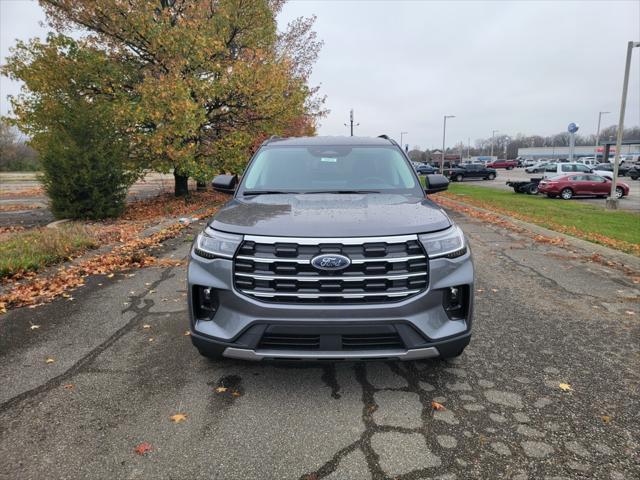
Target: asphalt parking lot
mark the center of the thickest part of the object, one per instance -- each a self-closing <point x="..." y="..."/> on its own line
<point x="548" y="388"/>
<point x="631" y="202"/>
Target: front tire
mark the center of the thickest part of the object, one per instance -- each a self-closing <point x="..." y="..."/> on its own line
<point x="566" y="194"/>
<point x="459" y="178"/>
<point x="491" y="176"/>
<point x="619" y="192"/>
<point x="533" y="189"/>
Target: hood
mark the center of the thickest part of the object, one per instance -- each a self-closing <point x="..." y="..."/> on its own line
<point x="330" y="215"/>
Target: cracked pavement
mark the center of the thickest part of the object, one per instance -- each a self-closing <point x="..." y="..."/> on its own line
<point x="123" y="365"/>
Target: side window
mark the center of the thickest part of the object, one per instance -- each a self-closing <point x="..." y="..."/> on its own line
<point x="550" y="168"/>
<point x="570" y="168"/>
<point x="596" y="178"/>
<point x="582" y="168"/>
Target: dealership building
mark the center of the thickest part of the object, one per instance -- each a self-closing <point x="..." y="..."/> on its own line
<point x="557" y="153"/>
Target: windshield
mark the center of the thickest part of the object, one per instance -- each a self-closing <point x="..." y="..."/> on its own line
<point x="333" y="169"/>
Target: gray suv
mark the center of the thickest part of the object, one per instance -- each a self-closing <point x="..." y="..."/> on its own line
<point x="330" y="249"/>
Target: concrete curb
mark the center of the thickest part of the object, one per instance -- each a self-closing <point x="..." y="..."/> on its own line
<point x="626" y="259"/>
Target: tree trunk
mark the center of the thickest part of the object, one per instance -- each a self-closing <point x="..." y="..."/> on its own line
<point x="181" y="184"/>
<point x="201" y="186"/>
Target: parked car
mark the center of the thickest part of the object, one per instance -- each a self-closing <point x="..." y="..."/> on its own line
<point x="508" y="164"/>
<point x="569" y="186"/>
<point x="538" y="167"/>
<point x="554" y="169"/>
<point x="461" y="172"/>
<point x="424" y="169"/>
<point x="634" y="172"/>
<point x="606" y="170"/>
<point x="330" y="249"/>
<point x="590" y="161"/>
<point x="530" y="162"/>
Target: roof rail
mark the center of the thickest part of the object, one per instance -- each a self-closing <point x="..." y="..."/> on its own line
<point x="271" y="139"/>
<point x="387" y="137"/>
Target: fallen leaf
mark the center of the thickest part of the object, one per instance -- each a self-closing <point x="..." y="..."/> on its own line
<point x="629" y="312"/>
<point x="606" y="418"/>
<point x="565" y="387"/>
<point x="480" y="290"/>
<point x="187" y="333"/>
<point x="143" y="448"/>
<point x="236" y="394"/>
<point x="151" y="339"/>
<point x="68" y="386"/>
<point x="147" y="283"/>
<point x="152" y="291"/>
<point x="178" y="417"/>
<point x="437" y="406"/>
<point x="34" y="327"/>
<point x="494" y="290"/>
<point x="66" y="295"/>
<point x="49" y="360"/>
<point x="110" y="275"/>
<point x="146" y="326"/>
<point x="221" y="389"/>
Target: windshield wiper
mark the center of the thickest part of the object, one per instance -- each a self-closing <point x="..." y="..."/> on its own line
<point x="265" y="192"/>
<point x="342" y="191"/>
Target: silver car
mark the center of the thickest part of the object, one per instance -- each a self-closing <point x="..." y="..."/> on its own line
<point x="330" y="249"/>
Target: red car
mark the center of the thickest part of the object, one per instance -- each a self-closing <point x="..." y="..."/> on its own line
<point x="568" y="186"/>
<point x="508" y="164"/>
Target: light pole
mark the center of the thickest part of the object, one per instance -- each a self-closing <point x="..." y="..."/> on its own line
<point x="612" y="201"/>
<point x="595" y="155"/>
<point x="401" y="135"/>
<point x="493" y="136"/>
<point x="444" y="136"/>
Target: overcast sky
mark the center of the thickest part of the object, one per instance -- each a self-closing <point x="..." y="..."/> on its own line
<point x="520" y="66"/>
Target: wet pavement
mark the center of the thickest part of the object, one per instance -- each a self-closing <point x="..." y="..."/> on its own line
<point x="122" y="366"/>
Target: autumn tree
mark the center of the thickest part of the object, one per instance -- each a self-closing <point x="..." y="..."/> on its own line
<point x="213" y="77"/>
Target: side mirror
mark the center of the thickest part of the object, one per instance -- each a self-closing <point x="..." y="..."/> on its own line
<point x="435" y="183"/>
<point x="224" y="183"/>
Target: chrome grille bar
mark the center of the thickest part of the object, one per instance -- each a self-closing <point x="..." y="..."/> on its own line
<point x="255" y="293"/>
<point x="358" y="261"/>
<point x="302" y="278"/>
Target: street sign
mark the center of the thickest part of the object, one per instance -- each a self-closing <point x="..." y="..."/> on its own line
<point x="573" y="127"/>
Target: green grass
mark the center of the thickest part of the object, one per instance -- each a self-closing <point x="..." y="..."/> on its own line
<point x="550" y="213"/>
<point x="36" y="249"/>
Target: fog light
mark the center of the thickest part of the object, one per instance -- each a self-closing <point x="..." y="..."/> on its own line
<point x="455" y="301"/>
<point x="205" y="302"/>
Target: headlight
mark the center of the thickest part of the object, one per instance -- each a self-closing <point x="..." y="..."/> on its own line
<point x="213" y="244"/>
<point x="448" y="243"/>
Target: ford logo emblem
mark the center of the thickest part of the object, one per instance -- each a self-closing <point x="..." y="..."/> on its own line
<point x="330" y="262"/>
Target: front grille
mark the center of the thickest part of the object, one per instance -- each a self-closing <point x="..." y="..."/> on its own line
<point x="274" y="341"/>
<point x="279" y="269"/>
<point x="372" y="341"/>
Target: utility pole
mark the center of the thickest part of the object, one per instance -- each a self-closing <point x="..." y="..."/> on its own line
<point x="444" y="136"/>
<point x="401" y="135"/>
<point x="493" y="136"/>
<point x="612" y="201"/>
<point x="468" y="148"/>
<point x="595" y="154"/>
<point x="351" y="122"/>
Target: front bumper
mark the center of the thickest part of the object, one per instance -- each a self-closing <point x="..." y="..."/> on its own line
<point x="420" y="320"/>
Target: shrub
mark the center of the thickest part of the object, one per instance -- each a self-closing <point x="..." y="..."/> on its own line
<point x="84" y="164"/>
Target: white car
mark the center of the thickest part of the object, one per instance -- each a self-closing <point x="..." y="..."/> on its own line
<point x="589" y="161"/>
<point x="554" y="169"/>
